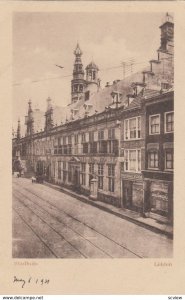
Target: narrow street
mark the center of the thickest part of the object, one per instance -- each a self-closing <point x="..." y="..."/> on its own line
<point x="50" y="224"/>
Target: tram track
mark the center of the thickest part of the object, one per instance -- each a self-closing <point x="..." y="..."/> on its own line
<point x="75" y="219"/>
<point x="65" y="226"/>
<point x="34" y="232"/>
<point x="51" y="227"/>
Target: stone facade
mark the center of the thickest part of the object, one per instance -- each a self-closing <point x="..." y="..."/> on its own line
<point x="106" y="135"/>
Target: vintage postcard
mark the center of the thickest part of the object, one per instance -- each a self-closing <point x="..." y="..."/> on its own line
<point x="92" y="156"/>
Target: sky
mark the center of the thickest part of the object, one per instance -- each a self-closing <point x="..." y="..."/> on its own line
<point x="41" y="40"/>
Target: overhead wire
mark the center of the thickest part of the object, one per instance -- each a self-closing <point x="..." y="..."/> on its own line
<point x="65" y="76"/>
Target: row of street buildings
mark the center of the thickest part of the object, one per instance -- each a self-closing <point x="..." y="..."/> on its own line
<point x="120" y="137"/>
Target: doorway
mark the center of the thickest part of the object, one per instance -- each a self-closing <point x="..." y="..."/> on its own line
<point x="127" y="193"/>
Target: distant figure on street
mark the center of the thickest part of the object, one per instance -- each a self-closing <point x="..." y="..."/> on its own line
<point x="33" y="179"/>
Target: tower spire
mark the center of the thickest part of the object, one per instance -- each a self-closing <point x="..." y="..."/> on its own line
<point x="78" y="82"/>
<point x="18" y="129"/>
<point x="29" y="106"/>
<point x="49" y="115"/>
<point x="29" y="120"/>
<point x="167" y="35"/>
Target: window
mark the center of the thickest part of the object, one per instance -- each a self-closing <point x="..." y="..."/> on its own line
<point x="65" y="149"/>
<point x="91" y="136"/>
<point x="59" y="169"/>
<point x="64" y="171"/>
<point x="55" y="150"/>
<point x="69" y="139"/>
<point x="165" y="85"/>
<point x="85" y="148"/>
<point x="91" y="168"/>
<point x="154" y="124"/>
<point x="111" y="177"/>
<point x="70" y="173"/>
<point x="59" y="141"/>
<point x="91" y="172"/>
<point x="103" y="147"/>
<point x="69" y="151"/>
<point x="76" y="139"/>
<point x="113" y="147"/>
<point x="83" y="165"/>
<point x="126" y="160"/>
<point x="169" y="159"/>
<point x="93" y="147"/>
<point x="132" y="128"/>
<point x="126" y="130"/>
<point x="83" y="137"/>
<point x="111" y="134"/>
<point x="100" y="176"/>
<point x="101" y="135"/>
<point x="169" y="122"/>
<point x="54" y="169"/>
<point x="132" y="160"/>
<point x="64" y="140"/>
<point x="139" y="160"/>
<point x="153" y="159"/>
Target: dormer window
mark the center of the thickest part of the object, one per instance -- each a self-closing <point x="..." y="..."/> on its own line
<point x="165" y="85"/>
<point x="116" y="96"/>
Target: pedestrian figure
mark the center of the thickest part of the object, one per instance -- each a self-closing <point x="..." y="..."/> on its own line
<point x="33" y="179"/>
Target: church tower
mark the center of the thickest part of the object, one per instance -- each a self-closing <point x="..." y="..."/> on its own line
<point x="18" y="130"/>
<point x="29" y="120"/>
<point x="78" y="82"/>
<point x="167" y="36"/>
<point x="49" y="115"/>
<point x="92" y="80"/>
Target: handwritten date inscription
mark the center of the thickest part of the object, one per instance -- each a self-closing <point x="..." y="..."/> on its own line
<point x="30" y="280"/>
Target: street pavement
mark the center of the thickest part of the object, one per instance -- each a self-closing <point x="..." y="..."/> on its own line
<point x="50" y="224"/>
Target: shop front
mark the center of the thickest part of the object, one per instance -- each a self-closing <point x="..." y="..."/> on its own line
<point x="132" y="191"/>
<point x="159" y="195"/>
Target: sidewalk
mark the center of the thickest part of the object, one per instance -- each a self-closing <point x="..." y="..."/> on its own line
<point x="126" y="214"/>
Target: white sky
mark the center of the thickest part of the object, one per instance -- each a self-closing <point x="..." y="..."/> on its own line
<point x="41" y="40"/>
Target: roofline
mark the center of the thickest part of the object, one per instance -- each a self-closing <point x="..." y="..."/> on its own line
<point x="158" y="96"/>
<point x="166" y="23"/>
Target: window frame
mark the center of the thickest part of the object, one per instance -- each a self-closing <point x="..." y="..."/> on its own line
<point x="137" y="160"/>
<point x="165" y="157"/>
<point x="76" y="138"/>
<point x="165" y="124"/>
<point x="100" y="176"/>
<point x="83" y="173"/>
<point x="155" y="151"/>
<point x="111" y="177"/>
<point x="112" y="133"/>
<point x="101" y="135"/>
<point x="127" y="135"/>
<point x="91" y="136"/>
<point x="85" y="148"/>
<point x="150" y="117"/>
<point x="83" y="137"/>
<point x="59" y="168"/>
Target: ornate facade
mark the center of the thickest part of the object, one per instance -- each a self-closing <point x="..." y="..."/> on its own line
<point x="109" y="135"/>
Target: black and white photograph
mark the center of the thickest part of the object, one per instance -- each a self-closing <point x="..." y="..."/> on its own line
<point x="92" y="134"/>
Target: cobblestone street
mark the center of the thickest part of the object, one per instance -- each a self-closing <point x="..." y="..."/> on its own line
<point x="50" y="224"/>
